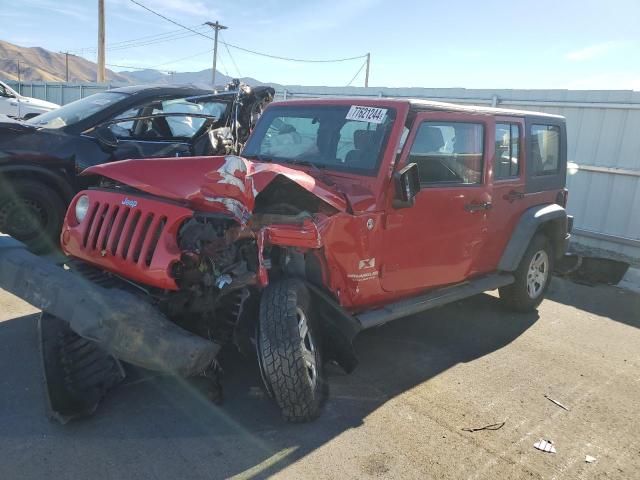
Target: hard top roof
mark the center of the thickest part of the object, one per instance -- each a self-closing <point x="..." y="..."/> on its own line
<point x="419" y="105"/>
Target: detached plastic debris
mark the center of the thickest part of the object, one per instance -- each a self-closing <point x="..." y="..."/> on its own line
<point x="545" y="446"/>
<point x="589" y="459"/>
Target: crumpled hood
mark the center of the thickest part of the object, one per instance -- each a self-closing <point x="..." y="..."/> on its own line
<point x="226" y="184"/>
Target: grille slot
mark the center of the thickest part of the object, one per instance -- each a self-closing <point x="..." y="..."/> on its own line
<point x="116" y="233"/>
<point x="131" y="229"/>
<point x="140" y="237"/>
<point x="153" y="240"/>
<point x="109" y="219"/>
<point x="97" y="226"/>
<point x="92" y="215"/>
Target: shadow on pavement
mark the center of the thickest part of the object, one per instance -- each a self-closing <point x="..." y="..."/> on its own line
<point x="158" y="427"/>
<point x="603" y="300"/>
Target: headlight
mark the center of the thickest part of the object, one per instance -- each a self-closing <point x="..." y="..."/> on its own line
<point x="82" y="207"/>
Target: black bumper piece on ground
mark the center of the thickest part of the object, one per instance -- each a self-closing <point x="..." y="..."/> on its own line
<point x="122" y="324"/>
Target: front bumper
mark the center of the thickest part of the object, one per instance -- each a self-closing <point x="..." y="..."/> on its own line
<point x="126" y="326"/>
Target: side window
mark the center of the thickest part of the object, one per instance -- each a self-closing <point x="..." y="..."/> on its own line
<point x="506" y="162"/>
<point x="124" y="129"/>
<point x="3" y="91"/>
<point x="449" y="153"/>
<point x="182" y="125"/>
<point x="545" y="149"/>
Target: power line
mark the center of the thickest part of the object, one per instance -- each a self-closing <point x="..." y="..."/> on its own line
<point x="172" y="21"/>
<point x="163" y="63"/>
<point x="231" y="57"/>
<point x="357" y="73"/>
<point x="254" y="52"/>
<point x="290" y="59"/>
<point x="142" y="41"/>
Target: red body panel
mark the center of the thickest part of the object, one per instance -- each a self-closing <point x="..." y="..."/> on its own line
<point x="111" y="238"/>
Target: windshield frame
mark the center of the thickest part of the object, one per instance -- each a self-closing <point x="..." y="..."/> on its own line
<point x="284" y="109"/>
<point x="37" y="121"/>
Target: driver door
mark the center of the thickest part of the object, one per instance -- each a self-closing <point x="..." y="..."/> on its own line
<point x="436" y="241"/>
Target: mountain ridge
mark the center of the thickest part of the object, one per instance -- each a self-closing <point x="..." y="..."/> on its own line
<point x="40" y="64"/>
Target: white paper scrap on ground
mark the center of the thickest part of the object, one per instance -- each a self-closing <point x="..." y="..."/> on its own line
<point x="545" y="446"/>
<point x="589" y="459"/>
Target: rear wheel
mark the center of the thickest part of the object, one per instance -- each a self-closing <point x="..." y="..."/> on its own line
<point x="532" y="277"/>
<point x="290" y="351"/>
<point x="31" y="212"/>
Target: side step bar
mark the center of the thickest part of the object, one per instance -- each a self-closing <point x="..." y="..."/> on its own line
<point x="434" y="298"/>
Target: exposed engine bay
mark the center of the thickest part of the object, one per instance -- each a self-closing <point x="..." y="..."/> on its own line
<point x="217" y="267"/>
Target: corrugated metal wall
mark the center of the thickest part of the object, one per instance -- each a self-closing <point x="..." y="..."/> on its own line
<point x="60" y="93"/>
<point x="603" y="130"/>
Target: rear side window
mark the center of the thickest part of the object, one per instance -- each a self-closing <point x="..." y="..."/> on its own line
<point x="506" y="162"/>
<point x="545" y="149"/>
<point x="448" y="153"/>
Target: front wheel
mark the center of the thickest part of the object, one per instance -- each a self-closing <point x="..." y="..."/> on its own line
<point x="290" y="350"/>
<point x="532" y="278"/>
<point x="31" y="212"/>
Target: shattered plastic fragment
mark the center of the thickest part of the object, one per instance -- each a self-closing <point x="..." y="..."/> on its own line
<point x="545" y="446"/>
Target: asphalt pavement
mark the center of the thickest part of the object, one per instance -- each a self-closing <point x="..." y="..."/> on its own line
<point x="401" y="414"/>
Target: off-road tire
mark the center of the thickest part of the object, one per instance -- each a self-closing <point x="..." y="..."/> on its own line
<point x="280" y="347"/>
<point x="515" y="296"/>
<point x="33" y="197"/>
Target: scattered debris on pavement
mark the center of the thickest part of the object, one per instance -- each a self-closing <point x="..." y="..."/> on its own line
<point x="589" y="459"/>
<point x="556" y="402"/>
<point x="545" y="446"/>
<point x="493" y="426"/>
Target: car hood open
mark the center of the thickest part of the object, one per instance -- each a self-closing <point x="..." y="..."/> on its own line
<point x="226" y="184"/>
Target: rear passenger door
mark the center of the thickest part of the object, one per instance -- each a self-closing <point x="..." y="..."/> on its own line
<point x="438" y="240"/>
<point x="507" y="176"/>
<point x="528" y="169"/>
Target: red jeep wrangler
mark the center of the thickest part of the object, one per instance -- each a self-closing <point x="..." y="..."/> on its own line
<point x="341" y="215"/>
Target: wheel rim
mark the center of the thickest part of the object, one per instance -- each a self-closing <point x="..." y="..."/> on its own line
<point x="22" y="219"/>
<point x="307" y="346"/>
<point x="537" y="274"/>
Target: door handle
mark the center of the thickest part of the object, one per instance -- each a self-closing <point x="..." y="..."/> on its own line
<point x="13" y="104"/>
<point x="513" y="195"/>
<point x="474" y="207"/>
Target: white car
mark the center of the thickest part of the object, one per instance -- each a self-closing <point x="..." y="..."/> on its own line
<point x="18" y="106"/>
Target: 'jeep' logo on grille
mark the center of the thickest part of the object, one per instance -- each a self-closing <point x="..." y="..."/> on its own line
<point x="129" y="203"/>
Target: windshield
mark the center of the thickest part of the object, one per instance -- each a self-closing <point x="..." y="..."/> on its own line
<point x="336" y="137"/>
<point x="77" y="111"/>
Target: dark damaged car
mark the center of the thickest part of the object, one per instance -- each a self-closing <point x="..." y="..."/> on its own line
<point x="40" y="158"/>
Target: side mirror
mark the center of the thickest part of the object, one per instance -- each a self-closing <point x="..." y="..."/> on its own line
<point x="105" y="136"/>
<point x="407" y="182"/>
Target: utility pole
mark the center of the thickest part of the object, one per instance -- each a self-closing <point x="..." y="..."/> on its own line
<point x="101" y="72"/>
<point x="366" y="74"/>
<point x="216" y="27"/>
<point x="66" y="66"/>
<point x="19" y="80"/>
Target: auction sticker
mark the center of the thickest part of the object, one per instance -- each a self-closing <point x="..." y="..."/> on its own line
<point x="367" y="114"/>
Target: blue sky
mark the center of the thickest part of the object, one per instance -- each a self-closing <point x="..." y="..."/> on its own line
<point x="455" y="43"/>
